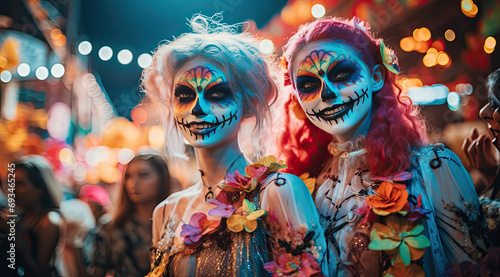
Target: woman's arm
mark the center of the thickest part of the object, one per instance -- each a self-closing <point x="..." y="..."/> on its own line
<point x="459" y="218"/>
<point x="292" y="214"/>
<point x="48" y="234"/>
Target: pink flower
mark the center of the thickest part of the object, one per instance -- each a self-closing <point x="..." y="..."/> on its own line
<point x="237" y="182"/>
<point x="403" y="176"/>
<point x="417" y="212"/>
<point x="198" y="227"/>
<point x="367" y="211"/>
<point x="288" y="265"/>
<point x="223" y="209"/>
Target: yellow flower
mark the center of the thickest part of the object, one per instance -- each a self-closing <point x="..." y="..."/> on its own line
<point x="270" y="163"/>
<point x="309" y="181"/>
<point x="245" y="217"/>
<point x="400" y="239"/>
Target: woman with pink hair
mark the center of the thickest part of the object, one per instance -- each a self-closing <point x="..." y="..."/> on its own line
<point x="388" y="201"/>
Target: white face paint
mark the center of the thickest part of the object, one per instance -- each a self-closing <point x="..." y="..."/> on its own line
<point x="207" y="112"/>
<point x="334" y="86"/>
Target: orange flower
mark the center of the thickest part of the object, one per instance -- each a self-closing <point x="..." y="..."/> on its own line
<point x="400" y="270"/>
<point x="389" y="198"/>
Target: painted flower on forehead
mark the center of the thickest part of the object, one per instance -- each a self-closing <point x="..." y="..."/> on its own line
<point x="245" y="217"/>
<point x="198" y="226"/>
<point x="317" y="63"/>
<point x="400" y="239"/>
<point x="200" y="78"/>
<point x="389" y="198"/>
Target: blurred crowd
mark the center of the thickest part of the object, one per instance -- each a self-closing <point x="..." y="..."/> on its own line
<point x="81" y="232"/>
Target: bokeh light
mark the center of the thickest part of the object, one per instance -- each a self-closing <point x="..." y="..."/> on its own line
<point x="488" y="50"/>
<point x="59" y="121"/>
<point x="57" y="70"/>
<point x="62" y="41"/>
<point x="67" y="158"/>
<point x="139" y="115"/>
<point x="318" y="11"/>
<point x="145" y="60"/>
<point x="490" y="43"/>
<point x="125" y="155"/>
<point x="85" y="47"/>
<point x="6" y="76"/>
<point x="430" y="60"/>
<point x="42" y="73"/>
<point x="432" y="50"/>
<point x="453" y="100"/>
<point x="449" y="35"/>
<point x="125" y="56"/>
<point x="55" y="33"/>
<point x="467" y="88"/>
<point x="105" y="53"/>
<point x="407" y="44"/>
<point x="80" y="172"/>
<point x="466" y="5"/>
<point x="23" y="69"/>
<point x="156" y="137"/>
<point x="443" y="58"/>
<point x="422" y="34"/>
<point x="266" y="46"/>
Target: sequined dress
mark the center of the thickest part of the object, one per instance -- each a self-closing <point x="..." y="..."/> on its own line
<point x="454" y="226"/>
<point x="227" y="253"/>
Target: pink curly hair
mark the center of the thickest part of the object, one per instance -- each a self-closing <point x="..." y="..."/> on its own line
<point x="395" y="126"/>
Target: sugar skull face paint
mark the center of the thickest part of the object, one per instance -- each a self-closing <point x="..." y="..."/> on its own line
<point x="333" y="85"/>
<point x="205" y="108"/>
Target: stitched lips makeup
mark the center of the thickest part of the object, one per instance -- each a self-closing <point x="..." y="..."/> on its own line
<point x="337" y="112"/>
<point x="204" y="128"/>
<point x="205" y="107"/>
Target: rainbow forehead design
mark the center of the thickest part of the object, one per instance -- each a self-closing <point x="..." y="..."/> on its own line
<point x="200" y="79"/>
<point x="317" y="63"/>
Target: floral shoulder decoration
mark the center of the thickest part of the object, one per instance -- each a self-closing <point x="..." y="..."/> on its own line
<point x="395" y="218"/>
<point x="300" y="256"/>
<point x="237" y="219"/>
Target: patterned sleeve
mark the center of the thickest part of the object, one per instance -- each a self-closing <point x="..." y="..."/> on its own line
<point x="293" y="220"/>
<point x="101" y="249"/>
<point x="459" y="218"/>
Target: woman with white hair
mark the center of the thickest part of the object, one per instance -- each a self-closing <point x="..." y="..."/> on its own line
<point x="239" y="215"/>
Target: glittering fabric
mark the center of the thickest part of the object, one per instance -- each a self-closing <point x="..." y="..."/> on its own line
<point x="224" y="253"/>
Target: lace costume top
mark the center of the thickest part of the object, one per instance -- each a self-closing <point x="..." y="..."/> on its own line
<point x="454" y="223"/>
<point x="291" y="225"/>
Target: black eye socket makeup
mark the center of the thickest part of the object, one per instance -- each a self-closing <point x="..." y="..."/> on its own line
<point x="343" y="71"/>
<point x="219" y="92"/>
<point x="308" y="84"/>
<point x="185" y="94"/>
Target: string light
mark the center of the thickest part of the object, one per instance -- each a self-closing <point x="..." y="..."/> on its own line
<point x="85" y="47"/>
<point x="318" y="11"/>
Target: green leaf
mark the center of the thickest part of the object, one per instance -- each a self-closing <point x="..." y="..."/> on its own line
<point x="383" y="244"/>
<point x="404" y="252"/>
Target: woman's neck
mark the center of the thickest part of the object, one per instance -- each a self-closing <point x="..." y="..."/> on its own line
<point x="215" y="162"/>
<point x="361" y="128"/>
<point x="144" y="212"/>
